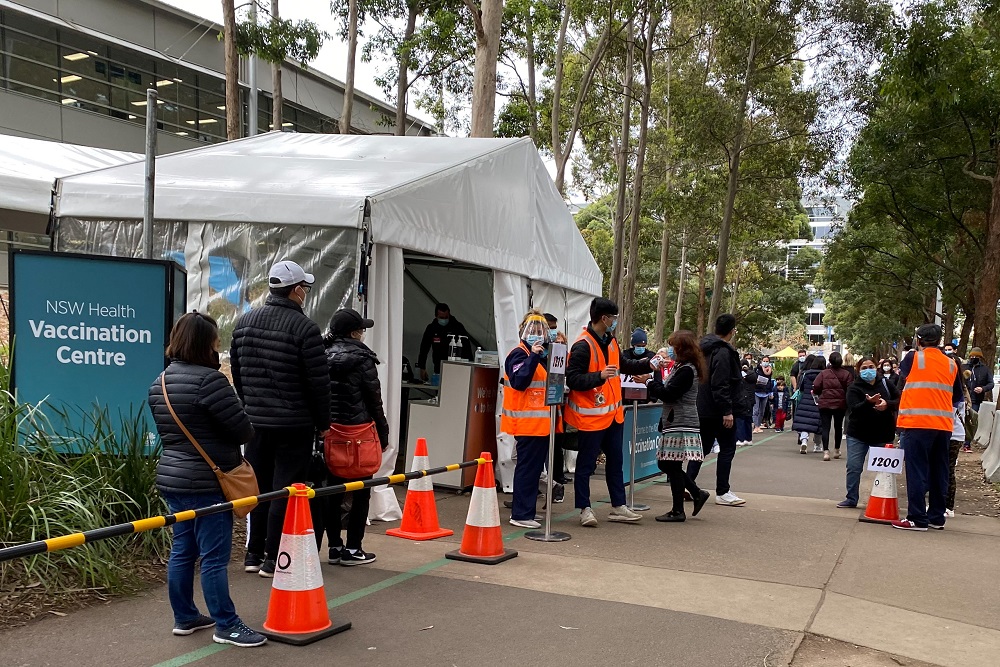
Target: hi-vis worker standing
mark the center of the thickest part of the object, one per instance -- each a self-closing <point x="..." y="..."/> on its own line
<point x="931" y="386"/>
<point x="525" y="415"/>
<point x="595" y="408"/>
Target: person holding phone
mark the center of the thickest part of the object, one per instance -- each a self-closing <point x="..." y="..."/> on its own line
<point x="871" y="422"/>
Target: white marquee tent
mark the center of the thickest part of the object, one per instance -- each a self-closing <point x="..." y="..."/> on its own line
<point x="28" y="171"/>
<point x="346" y="208"/>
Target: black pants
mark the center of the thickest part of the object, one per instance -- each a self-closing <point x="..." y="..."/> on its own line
<point x="953" y="448"/>
<point x="559" y="455"/>
<point x="837" y="417"/>
<point x="712" y="430"/>
<point x="328" y="515"/>
<point x="280" y="457"/>
<point x="679" y="481"/>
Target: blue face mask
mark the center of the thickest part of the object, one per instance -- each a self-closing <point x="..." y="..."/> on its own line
<point x="553" y="334"/>
<point x="869" y="374"/>
<point x="613" y="326"/>
<point x="640" y="350"/>
<point x="670" y="352"/>
<point x="533" y="340"/>
<point x="443" y="321"/>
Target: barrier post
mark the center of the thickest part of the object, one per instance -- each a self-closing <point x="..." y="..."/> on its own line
<point x="632" y="505"/>
<point x="548" y="535"/>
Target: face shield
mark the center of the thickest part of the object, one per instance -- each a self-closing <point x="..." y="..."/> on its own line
<point x="536" y="330"/>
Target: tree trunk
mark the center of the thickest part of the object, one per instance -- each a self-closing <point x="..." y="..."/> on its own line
<point x="682" y="283"/>
<point x="963" y="339"/>
<point x="529" y="39"/>
<point x="736" y="283"/>
<point x="734" y="184"/>
<point x="702" y="268"/>
<point x="232" y="70"/>
<point x="277" y="99"/>
<point x="989" y="281"/>
<point x="484" y="86"/>
<point x="661" y="292"/>
<point x="352" y="53"/>
<point x="636" y="219"/>
<point x="402" y="77"/>
<point x="617" y="261"/>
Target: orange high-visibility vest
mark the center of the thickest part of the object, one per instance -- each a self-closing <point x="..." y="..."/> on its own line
<point x="585" y="410"/>
<point x="524" y="412"/>
<point x="927" y="395"/>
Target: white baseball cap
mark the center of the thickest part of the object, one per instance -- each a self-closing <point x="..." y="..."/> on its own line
<point x="287" y="273"/>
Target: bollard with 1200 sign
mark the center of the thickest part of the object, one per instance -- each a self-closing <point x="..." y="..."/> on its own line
<point x="885" y="459"/>
<point x="555" y="391"/>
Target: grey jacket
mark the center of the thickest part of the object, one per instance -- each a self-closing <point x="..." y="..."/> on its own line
<point x="680" y="399"/>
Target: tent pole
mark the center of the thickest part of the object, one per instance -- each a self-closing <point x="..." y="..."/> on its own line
<point x="150" y="180"/>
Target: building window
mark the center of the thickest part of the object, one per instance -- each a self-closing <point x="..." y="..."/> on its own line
<point x="815" y="339"/>
<point x="814" y="319"/>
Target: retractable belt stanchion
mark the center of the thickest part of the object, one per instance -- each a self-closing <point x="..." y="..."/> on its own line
<point x="636" y="393"/>
<point x="555" y="389"/>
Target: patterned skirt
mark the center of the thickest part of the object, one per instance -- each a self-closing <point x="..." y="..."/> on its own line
<point x="680" y="446"/>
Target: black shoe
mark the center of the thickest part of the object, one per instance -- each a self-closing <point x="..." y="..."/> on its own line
<point x="687" y="496"/>
<point x="336" y="554"/>
<point x="558" y="493"/>
<point x="672" y="517"/>
<point x="267" y="569"/>
<point x="201" y="623"/>
<point x="565" y="480"/>
<point x="349" y="557"/>
<point x="252" y="563"/>
<point x="700" y="502"/>
<point x="509" y="504"/>
<point x="239" y="635"/>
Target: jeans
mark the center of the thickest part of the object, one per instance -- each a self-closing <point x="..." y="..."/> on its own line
<point x="328" y="515"/>
<point x="280" y="457"/>
<point x="712" y="430"/>
<point x="857" y="452"/>
<point x="211" y="538"/>
<point x="591" y="444"/>
<point x="679" y="480"/>
<point x="759" y="409"/>
<point x="743" y="428"/>
<point x="953" y="448"/>
<point x="532" y="454"/>
<point x="926" y="463"/>
<point x="837" y="417"/>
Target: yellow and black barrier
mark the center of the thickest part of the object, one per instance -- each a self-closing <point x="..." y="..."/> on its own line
<point x="142" y="525"/>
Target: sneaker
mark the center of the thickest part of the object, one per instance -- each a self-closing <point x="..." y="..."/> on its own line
<point x="587" y="517"/>
<point x="846" y="504"/>
<point x="700" y="502"/>
<point x="688" y="498"/>
<point x="967" y="449"/>
<point x="817" y="448"/>
<point x="826" y="456"/>
<point x="836" y="453"/>
<point x="715" y="449"/>
<point x="949" y="514"/>
<point x="672" y="517"/>
<point x="525" y="523"/>
<point x="351" y="557"/>
<point x="803" y="448"/>
<point x="906" y="524"/>
<point x="201" y="623"/>
<point x="509" y="504"/>
<point x="623" y="514"/>
<point x="336" y="553"/>
<point x="730" y="499"/>
<point x="558" y="493"/>
<point x="252" y="563"/>
<point x="267" y="568"/>
<point x="935" y="526"/>
<point x="239" y="635"/>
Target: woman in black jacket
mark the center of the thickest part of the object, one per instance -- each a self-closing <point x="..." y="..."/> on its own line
<point x="206" y="404"/>
<point x="871" y="422"/>
<point x="355" y="398"/>
<point x="807" y="418"/>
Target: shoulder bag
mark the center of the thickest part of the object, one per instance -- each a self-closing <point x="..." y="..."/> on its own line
<point x="240" y="482"/>
<point x="353" y="452"/>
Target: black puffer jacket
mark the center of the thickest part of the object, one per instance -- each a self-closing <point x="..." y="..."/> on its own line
<point x="279" y="368"/>
<point x="207" y="405"/>
<point x="727" y="391"/>
<point x="807" y="419"/>
<point x="355" y="391"/>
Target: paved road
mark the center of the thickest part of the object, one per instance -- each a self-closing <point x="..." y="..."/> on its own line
<point x="736" y="586"/>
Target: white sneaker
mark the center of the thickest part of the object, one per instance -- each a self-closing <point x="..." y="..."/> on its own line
<point x="803" y="448"/>
<point x="817" y="449"/>
<point x="730" y="499"/>
<point x="949" y="514"/>
<point x="587" y="518"/>
<point x="715" y="448"/>
<point x="526" y="523"/>
<point x="623" y="514"/>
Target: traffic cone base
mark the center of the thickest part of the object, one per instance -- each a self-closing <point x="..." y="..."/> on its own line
<point x="482" y="541"/>
<point x="297" y="612"/>
<point x="883" y="505"/>
<point x="420" y="519"/>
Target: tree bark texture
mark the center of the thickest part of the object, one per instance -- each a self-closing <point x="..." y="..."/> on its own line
<point x="617" y="262"/>
<point x="277" y="99"/>
<point x="402" y="76"/>
<point x="529" y="40"/>
<point x="682" y="283"/>
<point x="702" y="268"/>
<point x="661" y="292"/>
<point x="963" y="339"/>
<point x="352" y="62"/>
<point x="989" y="280"/>
<point x="232" y="70"/>
<point x="489" y="22"/>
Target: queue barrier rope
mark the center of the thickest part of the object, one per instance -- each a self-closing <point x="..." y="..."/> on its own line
<point x="142" y="525"/>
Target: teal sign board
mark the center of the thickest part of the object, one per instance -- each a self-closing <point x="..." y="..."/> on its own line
<point x="90" y="332"/>
<point x="648" y="439"/>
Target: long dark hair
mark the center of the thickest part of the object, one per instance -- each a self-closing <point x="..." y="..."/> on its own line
<point x="193" y="338"/>
<point x="686" y="351"/>
<point x="815" y="362"/>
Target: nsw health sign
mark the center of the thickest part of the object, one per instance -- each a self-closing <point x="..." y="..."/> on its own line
<point x="89" y="333"/>
<point x="648" y="438"/>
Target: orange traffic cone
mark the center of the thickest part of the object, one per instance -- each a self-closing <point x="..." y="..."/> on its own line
<point x="420" y="517"/>
<point x="297" y="613"/>
<point x="482" y="541"/>
<point x="883" y="505"/>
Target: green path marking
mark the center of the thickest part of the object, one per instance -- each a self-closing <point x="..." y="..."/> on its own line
<point x="194" y="656"/>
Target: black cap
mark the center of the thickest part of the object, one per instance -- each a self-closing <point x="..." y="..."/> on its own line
<point x="929" y="334"/>
<point x="346" y="320"/>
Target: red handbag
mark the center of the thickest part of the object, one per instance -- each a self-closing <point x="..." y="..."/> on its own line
<point x="352" y="452"/>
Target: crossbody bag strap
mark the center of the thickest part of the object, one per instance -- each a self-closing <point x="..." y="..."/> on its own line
<point x="187" y="433"/>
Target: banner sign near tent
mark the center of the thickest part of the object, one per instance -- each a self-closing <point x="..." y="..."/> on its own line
<point x="89" y="333"/>
<point x="648" y="439"/>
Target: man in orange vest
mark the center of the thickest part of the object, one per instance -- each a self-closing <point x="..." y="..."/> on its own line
<point x="931" y="388"/>
<point x="595" y="408"/>
<point x="525" y="415"/>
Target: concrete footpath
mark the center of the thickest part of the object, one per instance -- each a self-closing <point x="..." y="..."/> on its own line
<point x="734" y="586"/>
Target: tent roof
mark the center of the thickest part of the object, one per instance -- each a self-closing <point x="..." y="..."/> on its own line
<point x="29" y="168"/>
<point x="788" y="353"/>
<point x="488" y="202"/>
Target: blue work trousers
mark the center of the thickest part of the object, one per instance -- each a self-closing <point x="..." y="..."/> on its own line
<point x="591" y="444"/>
<point x="926" y="463"/>
<point x="532" y="453"/>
